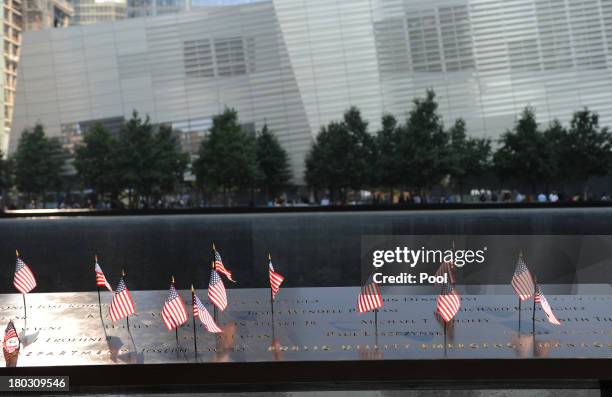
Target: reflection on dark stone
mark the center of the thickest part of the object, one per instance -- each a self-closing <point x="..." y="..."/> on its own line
<point x="57" y="247"/>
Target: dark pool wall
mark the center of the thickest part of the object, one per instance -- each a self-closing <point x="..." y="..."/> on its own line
<point x="310" y="249"/>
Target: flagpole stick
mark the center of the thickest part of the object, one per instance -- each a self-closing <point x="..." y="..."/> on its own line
<point x="195" y="340"/>
<point x="535" y="288"/>
<point x="175" y="328"/>
<point x="519" y="314"/>
<point x="376" y="328"/>
<point x="445" y="337"/>
<point x="271" y="293"/>
<point x="127" y="318"/>
<point x="99" y="302"/>
<point x="214" y="306"/>
<point x="25" y="310"/>
<point x="376" y="322"/>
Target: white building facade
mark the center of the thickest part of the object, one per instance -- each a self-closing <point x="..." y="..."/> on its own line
<point x="298" y="65"/>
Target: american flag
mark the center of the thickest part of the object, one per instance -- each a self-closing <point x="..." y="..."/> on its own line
<point x="522" y="281"/>
<point x="448" y="302"/>
<point x="541" y="299"/>
<point x="275" y="280"/>
<point x="11" y="340"/>
<point x="449" y="269"/>
<point x="216" y="291"/>
<point x="220" y="268"/>
<point x="174" y="313"/>
<point x="122" y="304"/>
<point x="369" y="297"/>
<point x="101" y="279"/>
<point x="24" y="279"/>
<point x="199" y="311"/>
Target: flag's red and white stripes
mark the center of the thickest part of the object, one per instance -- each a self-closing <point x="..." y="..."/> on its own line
<point x="216" y="291"/>
<point x="275" y="280"/>
<point x="122" y="304"/>
<point x="522" y="281"/>
<point x="101" y="279"/>
<point x="541" y="299"/>
<point x="200" y="312"/>
<point x="448" y="302"/>
<point x="174" y="313"/>
<point x="221" y="269"/>
<point x="369" y="297"/>
<point x="11" y="340"/>
<point x="24" y="279"/>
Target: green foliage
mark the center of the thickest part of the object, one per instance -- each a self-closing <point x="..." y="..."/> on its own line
<point x="470" y="157"/>
<point x="148" y="163"/>
<point x="135" y="157"/>
<point x="555" y="140"/>
<point x="95" y="163"/>
<point x="6" y="173"/>
<point x="342" y="156"/>
<point x="39" y="162"/>
<point x="272" y="162"/>
<point x="523" y="155"/>
<point x="589" y="147"/>
<point x="361" y="149"/>
<point x="328" y="163"/>
<point x="422" y="148"/>
<point x="387" y="164"/>
<point x="227" y="156"/>
<point x="170" y="161"/>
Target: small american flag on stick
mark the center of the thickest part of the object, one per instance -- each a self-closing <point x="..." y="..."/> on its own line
<point x="216" y="290"/>
<point x="200" y="312"/>
<point x="541" y="299"/>
<point x="100" y="278"/>
<point x="275" y="278"/>
<point x="24" y="279"/>
<point x="219" y="266"/>
<point x="174" y="313"/>
<point x="522" y="280"/>
<point x="369" y="297"/>
<point x="11" y="340"/>
<point x="448" y="302"/>
<point x="122" y="304"/>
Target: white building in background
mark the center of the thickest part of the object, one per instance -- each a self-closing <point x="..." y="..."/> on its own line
<point x="87" y="12"/>
<point x="148" y="8"/>
<point x="299" y="65"/>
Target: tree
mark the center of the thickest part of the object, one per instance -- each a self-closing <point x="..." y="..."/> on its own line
<point x="329" y="162"/>
<point x="6" y="177"/>
<point x="589" y="147"/>
<point x="272" y="162"/>
<point x="39" y="162"/>
<point x="343" y="156"/>
<point x="556" y="167"/>
<point x="523" y="155"/>
<point x="361" y="150"/>
<point x="423" y="146"/>
<point x="470" y="156"/>
<point x="387" y="161"/>
<point x="227" y="156"/>
<point x="95" y="163"/>
<point x="170" y="162"/>
<point x="135" y="158"/>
